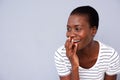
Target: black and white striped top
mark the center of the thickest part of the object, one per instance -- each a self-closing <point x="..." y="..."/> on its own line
<point x="108" y="62"/>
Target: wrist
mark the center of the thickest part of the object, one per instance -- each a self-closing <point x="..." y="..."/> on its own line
<point x="75" y="67"/>
<point x="75" y="73"/>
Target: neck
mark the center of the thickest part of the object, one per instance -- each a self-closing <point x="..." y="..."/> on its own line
<point x="88" y="51"/>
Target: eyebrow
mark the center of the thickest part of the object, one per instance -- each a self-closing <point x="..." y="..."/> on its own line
<point x="75" y="25"/>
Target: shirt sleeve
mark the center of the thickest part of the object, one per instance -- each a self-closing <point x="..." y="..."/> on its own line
<point x="114" y="64"/>
<point x="61" y="67"/>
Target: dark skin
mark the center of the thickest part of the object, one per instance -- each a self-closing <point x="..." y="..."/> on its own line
<point x="80" y="41"/>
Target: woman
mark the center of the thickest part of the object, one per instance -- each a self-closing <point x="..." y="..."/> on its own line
<point x="82" y="57"/>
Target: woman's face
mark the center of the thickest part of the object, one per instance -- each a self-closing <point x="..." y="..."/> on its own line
<point x="78" y="29"/>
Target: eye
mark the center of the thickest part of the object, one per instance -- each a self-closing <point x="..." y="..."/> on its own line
<point x="68" y="29"/>
<point x="77" y="28"/>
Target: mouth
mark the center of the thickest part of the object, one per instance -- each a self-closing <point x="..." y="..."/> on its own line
<point x="76" y="41"/>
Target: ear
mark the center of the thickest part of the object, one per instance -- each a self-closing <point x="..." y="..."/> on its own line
<point x="94" y="31"/>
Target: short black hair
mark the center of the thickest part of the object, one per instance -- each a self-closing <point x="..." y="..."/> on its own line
<point x="90" y="11"/>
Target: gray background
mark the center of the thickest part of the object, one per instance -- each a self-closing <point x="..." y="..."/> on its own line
<point x="31" y="31"/>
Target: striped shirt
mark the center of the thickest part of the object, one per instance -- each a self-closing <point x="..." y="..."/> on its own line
<point x="108" y="62"/>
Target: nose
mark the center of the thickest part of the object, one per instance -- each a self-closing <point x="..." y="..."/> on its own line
<point x="70" y="34"/>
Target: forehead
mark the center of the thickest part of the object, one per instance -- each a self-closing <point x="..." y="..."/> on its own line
<point x="78" y="18"/>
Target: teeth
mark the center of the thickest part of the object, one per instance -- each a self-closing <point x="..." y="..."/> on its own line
<point x="76" y="40"/>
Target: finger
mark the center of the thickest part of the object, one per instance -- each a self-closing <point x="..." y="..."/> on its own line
<point x="71" y="44"/>
<point x="75" y="48"/>
<point x="68" y="46"/>
<point x="67" y="42"/>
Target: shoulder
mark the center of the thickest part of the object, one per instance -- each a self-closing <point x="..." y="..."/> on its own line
<point x="108" y="52"/>
<point x="104" y="48"/>
<point x="60" y="52"/>
<point x="61" y="49"/>
<point x="112" y="58"/>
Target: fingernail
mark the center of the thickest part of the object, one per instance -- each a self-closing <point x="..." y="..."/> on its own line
<point x="72" y="40"/>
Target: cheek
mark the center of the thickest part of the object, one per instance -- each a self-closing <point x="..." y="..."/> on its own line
<point x="85" y="37"/>
<point x="85" y="40"/>
<point x="81" y="35"/>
